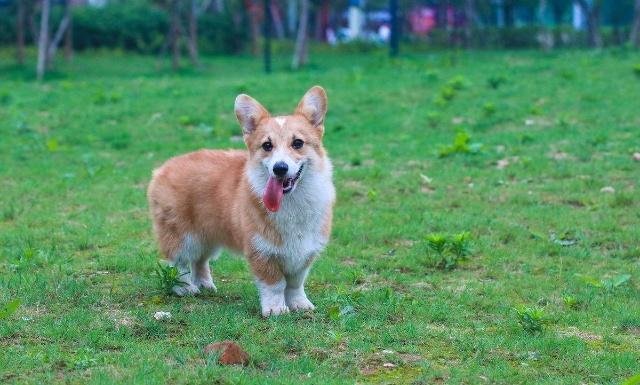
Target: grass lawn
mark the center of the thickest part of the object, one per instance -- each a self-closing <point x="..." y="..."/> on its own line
<point x="512" y="147"/>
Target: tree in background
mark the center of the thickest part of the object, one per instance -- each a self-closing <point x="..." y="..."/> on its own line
<point x="635" y="30"/>
<point x="176" y="12"/>
<point x="63" y="30"/>
<point x="20" y="23"/>
<point x="300" y="53"/>
<point x="592" y="11"/>
<point x="252" y="9"/>
<point x="193" y="33"/>
<point x="43" y="40"/>
<point x="47" y="47"/>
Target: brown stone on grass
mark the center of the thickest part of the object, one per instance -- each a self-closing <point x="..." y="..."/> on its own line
<point x="230" y="353"/>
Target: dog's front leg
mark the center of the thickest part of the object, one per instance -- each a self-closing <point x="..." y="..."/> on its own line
<point x="271" y="285"/>
<point x="294" y="293"/>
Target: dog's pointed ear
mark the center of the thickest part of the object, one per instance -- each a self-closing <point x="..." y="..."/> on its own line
<point x="249" y="113"/>
<point x="313" y="106"/>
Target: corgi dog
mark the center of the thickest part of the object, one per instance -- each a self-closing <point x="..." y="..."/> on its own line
<point x="272" y="202"/>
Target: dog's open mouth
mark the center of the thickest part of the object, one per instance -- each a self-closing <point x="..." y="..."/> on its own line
<point x="289" y="183"/>
<point x="276" y="188"/>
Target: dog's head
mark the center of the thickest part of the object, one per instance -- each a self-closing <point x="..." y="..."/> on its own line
<point x="282" y="148"/>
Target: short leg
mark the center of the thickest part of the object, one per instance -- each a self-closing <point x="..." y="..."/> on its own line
<point x="295" y="296"/>
<point x="186" y="287"/>
<point x="190" y="250"/>
<point x="271" y="285"/>
<point x="201" y="271"/>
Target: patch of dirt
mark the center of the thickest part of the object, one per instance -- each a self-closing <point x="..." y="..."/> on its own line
<point x="585" y="336"/>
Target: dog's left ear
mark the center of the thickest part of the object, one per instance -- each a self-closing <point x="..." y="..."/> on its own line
<point x="313" y="106"/>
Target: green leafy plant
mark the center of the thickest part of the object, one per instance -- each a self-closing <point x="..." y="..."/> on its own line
<point x="489" y="109"/>
<point x="636" y="70"/>
<point x="459" y="244"/>
<point x="571" y="302"/>
<point x="496" y="81"/>
<point x="168" y="277"/>
<point x="449" y="250"/>
<point x="457" y="83"/>
<point x="433" y="118"/>
<point x="635" y="380"/>
<point x="608" y="285"/>
<point x="9" y="308"/>
<point x="532" y="319"/>
<point x="461" y="144"/>
<point x="437" y="242"/>
<point x="448" y="93"/>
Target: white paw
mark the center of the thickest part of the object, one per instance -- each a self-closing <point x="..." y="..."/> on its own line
<point x="206" y="284"/>
<point x="187" y="289"/>
<point x="299" y="303"/>
<point x="268" y="311"/>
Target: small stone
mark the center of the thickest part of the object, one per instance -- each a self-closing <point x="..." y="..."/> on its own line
<point x="230" y="353"/>
<point x="388" y="365"/>
<point x="161" y="315"/>
<point x="608" y="190"/>
<point x="636" y="156"/>
<point x="387" y="351"/>
<point x="502" y="164"/>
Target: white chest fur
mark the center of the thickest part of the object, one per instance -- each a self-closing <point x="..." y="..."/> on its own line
<point x="300" y="221"/>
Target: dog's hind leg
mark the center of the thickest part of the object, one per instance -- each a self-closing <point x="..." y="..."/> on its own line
<point x="190" y="251"/>
<point x="201" y="271"/>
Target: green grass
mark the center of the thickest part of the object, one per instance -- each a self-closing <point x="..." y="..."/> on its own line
<point x="523" y="177"/>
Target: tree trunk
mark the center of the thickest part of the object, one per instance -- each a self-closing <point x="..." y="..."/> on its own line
<point x="635" y="31"/>
<point x="277" y="20"/>
<point x="254" y="20"/>
<point x="469" y="20"/>
<point x="593" y="22"/>
<point x="57" y="38"/>
<point x="193" y="34"/>
<point x="509" y="14"/>
<point x="174" y="9"/>
<point x="219" y="6"/>
<point x="292" y="16"/>
<point x="20" y="33"/>
<point x="441" y="14"/>
<point x="300" y="54"/>
<point x="68" y="37"/>
<point x="43" y="40"/>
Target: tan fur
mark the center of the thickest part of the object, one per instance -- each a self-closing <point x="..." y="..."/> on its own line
<point x="207" y="194"/>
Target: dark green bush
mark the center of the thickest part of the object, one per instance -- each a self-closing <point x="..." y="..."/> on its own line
<point x="134" y="26"/>
<point x="130" y="27"/>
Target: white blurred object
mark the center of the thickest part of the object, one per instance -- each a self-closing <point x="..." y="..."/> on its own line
<point x="160" y="315"/>
<point x="356" y="21"/>
<point x="384" y="32"/>
<point x="608" y="190"/>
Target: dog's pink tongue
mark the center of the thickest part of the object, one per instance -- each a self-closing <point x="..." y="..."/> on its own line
<point x="273" y="194"/>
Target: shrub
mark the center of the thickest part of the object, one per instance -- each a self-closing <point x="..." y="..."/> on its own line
<point x="448" y="250"/>
<point x="532" y="319"/>
<point x="135" y="26"/>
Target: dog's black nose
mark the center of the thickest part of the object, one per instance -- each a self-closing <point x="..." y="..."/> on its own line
<point x="280" y="169"/>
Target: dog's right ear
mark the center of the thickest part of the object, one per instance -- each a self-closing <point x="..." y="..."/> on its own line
<point x="249" y="113"/>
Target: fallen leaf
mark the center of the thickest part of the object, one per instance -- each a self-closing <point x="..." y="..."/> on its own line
<point x="230" y="353"/>
<point x="426" y="179"/>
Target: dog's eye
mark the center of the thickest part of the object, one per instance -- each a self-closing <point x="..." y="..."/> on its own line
<point x="297" y="144"/>
<point x="267" y="146"/>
